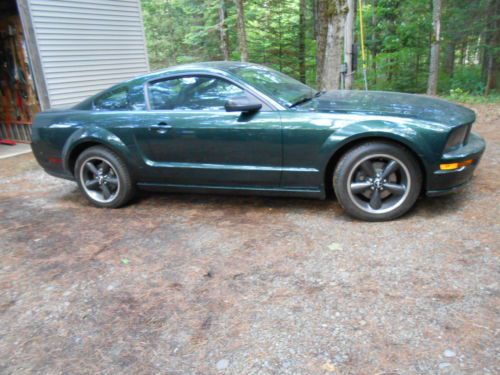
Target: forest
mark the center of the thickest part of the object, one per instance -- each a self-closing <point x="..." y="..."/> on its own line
<point x="439" y="47"/>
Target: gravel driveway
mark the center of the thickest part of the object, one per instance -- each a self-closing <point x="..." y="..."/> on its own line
<point x="193" y="284"/>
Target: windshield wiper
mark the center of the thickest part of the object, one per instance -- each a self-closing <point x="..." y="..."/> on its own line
<point x="307" y="99"/>
<point x="301" y="101"/>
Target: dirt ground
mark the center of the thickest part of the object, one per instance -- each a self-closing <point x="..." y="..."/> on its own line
<point x="194" y="284"/>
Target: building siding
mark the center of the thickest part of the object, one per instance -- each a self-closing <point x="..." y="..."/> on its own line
<point x="86" y="46"/>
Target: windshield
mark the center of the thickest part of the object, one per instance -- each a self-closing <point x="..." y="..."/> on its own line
<point x="279" y="86"/>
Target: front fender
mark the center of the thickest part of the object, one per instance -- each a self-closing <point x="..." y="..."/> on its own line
<point x="409" y="134"/>
<point x="92" y="134"/>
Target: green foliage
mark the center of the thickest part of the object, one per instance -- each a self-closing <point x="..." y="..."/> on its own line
<point x="398" y="36"/>
<point x="272" y="28"/>
<point x="467" y="79"/>
<point x="179" y="31"/>
<point x="460" y="96"/>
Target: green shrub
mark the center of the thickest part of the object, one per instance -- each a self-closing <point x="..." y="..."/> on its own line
<point x="467" y="79"/>
<point x="460" y="96"/>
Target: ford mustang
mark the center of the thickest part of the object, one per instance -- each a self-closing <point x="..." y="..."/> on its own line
<point x="244" y="128"/>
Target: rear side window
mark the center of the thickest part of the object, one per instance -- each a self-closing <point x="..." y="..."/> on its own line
<point x="114" y="101"/>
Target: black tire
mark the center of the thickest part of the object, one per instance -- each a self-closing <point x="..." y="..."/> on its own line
<point x="103" y="178"/>
<point x="377" y="181"/>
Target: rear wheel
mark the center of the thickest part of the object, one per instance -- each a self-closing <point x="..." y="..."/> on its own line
<point x="377" y="181"/>
<point x="103" y="177"/>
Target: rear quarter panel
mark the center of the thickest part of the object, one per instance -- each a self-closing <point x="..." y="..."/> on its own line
<point x="50" y="131"/>
<point x="56" y="134"/>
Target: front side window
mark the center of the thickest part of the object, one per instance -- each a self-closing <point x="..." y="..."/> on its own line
<point x="114" y="101"/>
<point x="203" y="93"/>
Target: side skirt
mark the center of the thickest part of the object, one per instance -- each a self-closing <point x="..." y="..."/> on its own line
<point x="203" y="189"/>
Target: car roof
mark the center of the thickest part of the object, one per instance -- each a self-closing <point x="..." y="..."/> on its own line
<point x="217" y="67"/>
<point x="214" y="67"/>
<point x="209" y="65"/>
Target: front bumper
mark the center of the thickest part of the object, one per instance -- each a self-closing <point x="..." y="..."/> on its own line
<point x="442" y="182"/>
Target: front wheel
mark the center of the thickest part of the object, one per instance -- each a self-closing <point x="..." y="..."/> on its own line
<point x="377" y="181"/>
<point x="103" y="177"/>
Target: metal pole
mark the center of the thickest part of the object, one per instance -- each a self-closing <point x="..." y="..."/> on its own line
<point x="362" y="35"/>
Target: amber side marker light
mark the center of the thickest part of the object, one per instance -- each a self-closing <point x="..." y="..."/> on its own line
<point x="452" y="166"/>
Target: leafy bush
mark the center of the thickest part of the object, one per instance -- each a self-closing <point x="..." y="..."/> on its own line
<point x="468" y="80"/>
<point x="460" y="96"/>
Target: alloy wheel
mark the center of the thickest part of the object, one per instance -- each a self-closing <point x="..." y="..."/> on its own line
<point x="379" y="183"/>
<point x="99" y="179"/>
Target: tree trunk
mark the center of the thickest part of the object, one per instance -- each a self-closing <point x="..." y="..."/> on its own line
<point x="321" y="27"/>
<point x="302" y="41"/>
<point x="492" y="55"/>
<point x="483" y="53"/>
<point x="491" y="75"/>
<point x="280" y="39"/>
<point x="390" y="63"/>
<point x="417" y="69"/>
<point x="242" y="34"/>
<point x="224" y="38"/>
<point x="374" y="49"/>
<point x="348" y="43"/>
<point x="463" y="51"/>
<point x="315" y="18"/>
<point x="434" y="61"/>
<point x="449" y="59"/>
<point x="332" y="58"/>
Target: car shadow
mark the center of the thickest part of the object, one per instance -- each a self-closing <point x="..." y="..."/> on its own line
<point x="425" y="206"/>
<point x="224" y="200"/>
<point x="440" y="206"/>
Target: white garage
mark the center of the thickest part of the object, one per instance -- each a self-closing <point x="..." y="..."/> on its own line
<point x="55" y="53"/>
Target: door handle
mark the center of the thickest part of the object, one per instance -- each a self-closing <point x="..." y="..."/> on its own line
<point x="161" y="127"/>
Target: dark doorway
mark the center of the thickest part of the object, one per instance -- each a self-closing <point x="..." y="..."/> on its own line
<point x="18" y="101"/>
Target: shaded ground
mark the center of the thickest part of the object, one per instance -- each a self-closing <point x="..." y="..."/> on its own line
<point x="7" y="151"/>
<point x="192" y="284"/>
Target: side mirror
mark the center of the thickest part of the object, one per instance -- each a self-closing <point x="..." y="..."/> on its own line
<point x="244" y="105"/>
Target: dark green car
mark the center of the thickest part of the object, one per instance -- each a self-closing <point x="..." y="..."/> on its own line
<point x="244" y="128"/>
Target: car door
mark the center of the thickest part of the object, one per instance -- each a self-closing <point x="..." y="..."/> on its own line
<point x="194" y="141"/>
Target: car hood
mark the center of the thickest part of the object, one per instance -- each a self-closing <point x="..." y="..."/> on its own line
<point x="382" y="103"/>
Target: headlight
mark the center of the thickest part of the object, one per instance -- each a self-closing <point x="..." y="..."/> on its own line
<point x="457" y="137"/>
